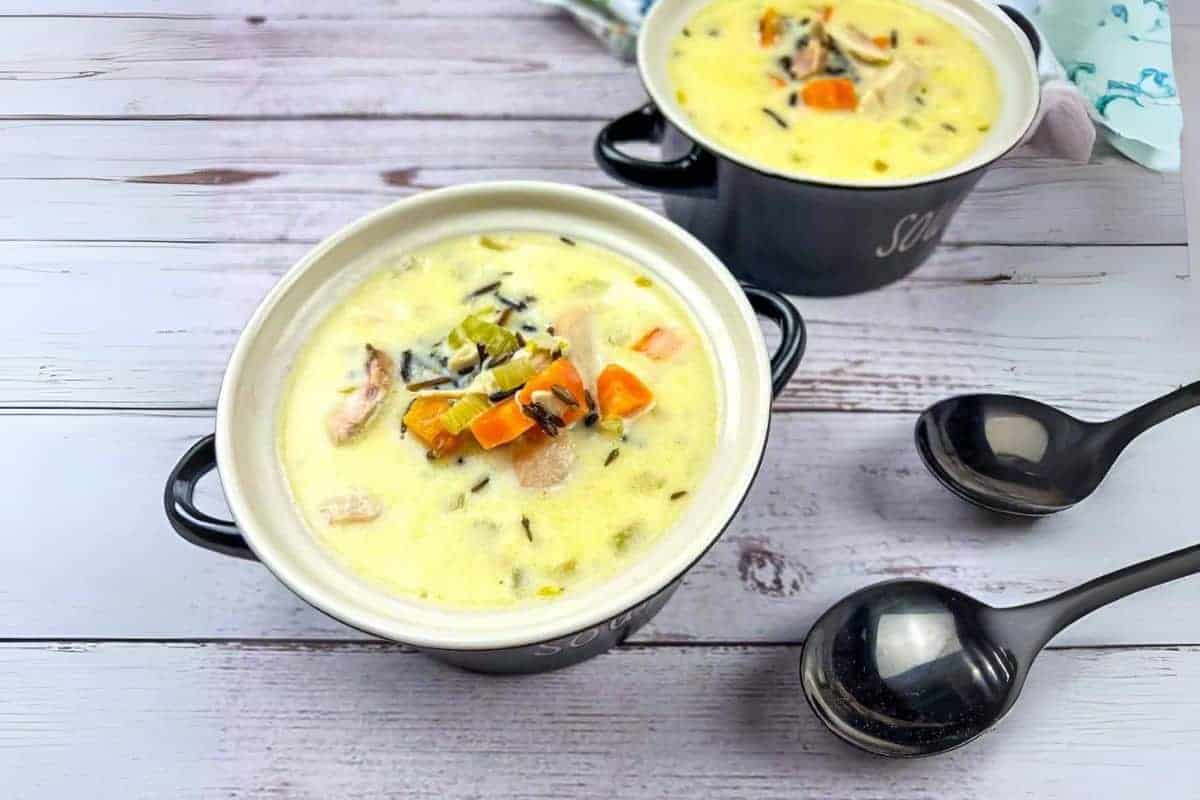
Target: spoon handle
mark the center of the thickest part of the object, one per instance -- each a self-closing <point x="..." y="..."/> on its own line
<point x="1125" y="428"/>
<point x="1046" y="618"/>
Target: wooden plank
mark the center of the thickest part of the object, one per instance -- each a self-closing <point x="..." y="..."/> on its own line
<point x="200" y="721"/>
<point x="151" y="325"/>
<point x="842" y="501"/>
<point x="153" y="66"/>
<point x="298" y="180"/>
<point x="268" y="10"/>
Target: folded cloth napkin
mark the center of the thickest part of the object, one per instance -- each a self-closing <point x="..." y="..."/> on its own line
<point x="1116" y="71"/>
<point x="1119" y="57"/>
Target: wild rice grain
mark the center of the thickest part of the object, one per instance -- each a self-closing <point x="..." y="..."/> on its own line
<point x="429" y="384"/>
<point x="562" y="394"/>
<point x="528" y="529"/>
<point x="678" y="495"/>
<point x="612" y="457"/>
<point x="780" y="121"/>
<point x="482" y="290"/>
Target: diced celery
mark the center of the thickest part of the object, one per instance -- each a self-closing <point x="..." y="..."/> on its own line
<point x="496" y="340"/>
<point x="514" y="373"/>
<point x="456" y="418"/>
<point x="613" y="426"/>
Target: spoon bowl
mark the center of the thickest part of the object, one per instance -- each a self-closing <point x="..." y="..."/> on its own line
<point x="909" y="668"/>
<point x="1017" y="456"/>
<point x="912" y="668"/>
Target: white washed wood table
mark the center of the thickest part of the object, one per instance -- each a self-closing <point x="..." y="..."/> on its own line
<point x="163" y="164"/>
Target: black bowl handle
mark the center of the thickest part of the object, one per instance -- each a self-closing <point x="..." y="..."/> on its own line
<point x="1022" y="22"/>
<point x="693" y="174"/>
<point x="793" y="336"/>
<point x="190" y="522"/>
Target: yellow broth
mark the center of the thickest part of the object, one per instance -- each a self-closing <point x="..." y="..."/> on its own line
<point x="440" y="536"/>
<point x="928" y="113"/>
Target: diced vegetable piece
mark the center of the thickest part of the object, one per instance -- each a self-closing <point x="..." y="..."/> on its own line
<point x="613" y="426"/>
<point x="768" y="27"/>
<point x="831" y="94"/>
<point x="882" y="41"/>
<point x="620" y="393"/>
<point x="563" y="374"/>
<point x="463" y="412"/>
<point x="659" y="343"/>
<point x="776" y="81"/>
<point x="513" y="374"/>
<point x="424" y="421"/>
<point x="494" y="243"/>
<point x="826" y="13"/>
<point x="497" y="341"/>
<point x="500" y="424"/>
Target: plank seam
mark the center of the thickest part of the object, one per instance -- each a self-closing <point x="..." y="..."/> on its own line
<point x="267" y="642"/>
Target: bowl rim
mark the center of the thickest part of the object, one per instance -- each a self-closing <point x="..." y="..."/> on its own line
<point x="979" y="159"/>
<point x="320" y="596"/>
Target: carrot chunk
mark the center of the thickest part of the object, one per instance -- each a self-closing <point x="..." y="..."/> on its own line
<point x="423" y="420"/>
<point x="620" y="393"/>
<point x="500" y="424"/>
<point x="768" y="27"/>
<point x="831" y="94"/>
<point x="659" y="343"/>
<point x="884" y="42"/>
<point x="561" y="373"/>
<point x="826" y="13"/>
<point x="776" y="81"/>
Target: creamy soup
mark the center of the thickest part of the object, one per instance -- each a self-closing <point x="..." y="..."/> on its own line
<point x="497" y="420"/>
<point x="841" y="89"/>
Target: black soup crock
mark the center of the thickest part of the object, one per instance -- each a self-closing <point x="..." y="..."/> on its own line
<point x="803" y="235"/>
<point x="580" y="624"/>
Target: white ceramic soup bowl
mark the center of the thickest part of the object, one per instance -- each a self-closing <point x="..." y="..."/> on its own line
<point x="268" y="527"/>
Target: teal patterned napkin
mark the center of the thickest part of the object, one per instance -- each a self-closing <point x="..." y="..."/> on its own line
<point x="1107" y="61"/>
<point x="1119" y="55"/>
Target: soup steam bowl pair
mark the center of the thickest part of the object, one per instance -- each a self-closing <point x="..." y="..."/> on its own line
<point x="268" y="527"/>
<point x="803" y="234"/>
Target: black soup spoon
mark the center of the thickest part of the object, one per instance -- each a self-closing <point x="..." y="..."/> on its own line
<point x="912" y="668"/>
<point x="1018" y="456"/>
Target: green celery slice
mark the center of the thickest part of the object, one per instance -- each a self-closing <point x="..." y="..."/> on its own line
<point x="464" y="411"/>
<point x="496" y="340"/>
<point x="514" y="374"/>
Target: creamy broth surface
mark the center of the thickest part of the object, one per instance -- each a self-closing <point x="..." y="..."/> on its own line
<point x="921" y="98"/>
<point x="439" y="533"/>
